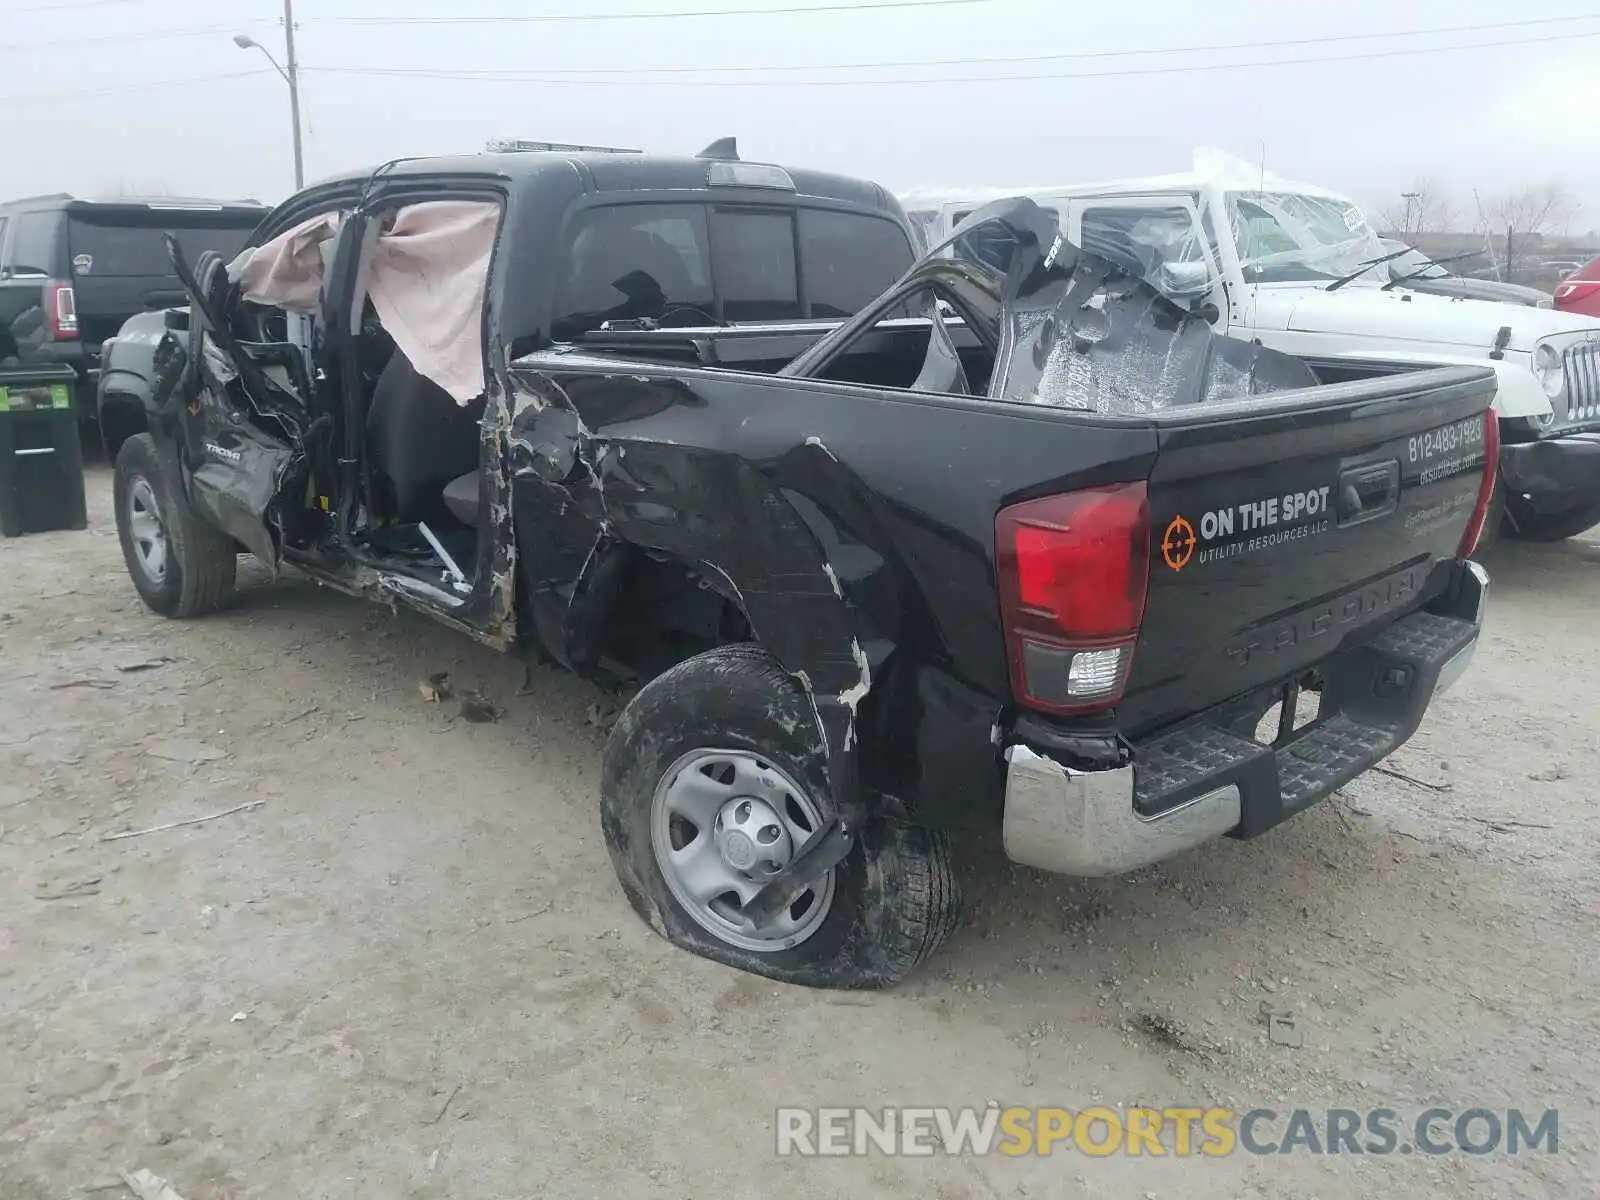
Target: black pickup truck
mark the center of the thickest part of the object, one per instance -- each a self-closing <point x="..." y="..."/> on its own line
<point x="1019" y="548"/>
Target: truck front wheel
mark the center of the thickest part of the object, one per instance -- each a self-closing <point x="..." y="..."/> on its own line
<point x="713" y="780"/>
<point x="180" y="566"/>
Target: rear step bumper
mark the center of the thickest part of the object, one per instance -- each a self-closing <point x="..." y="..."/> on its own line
<point x="1206" y="779"/>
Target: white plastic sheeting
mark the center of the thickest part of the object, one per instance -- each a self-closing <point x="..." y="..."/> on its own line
<point x="1299" y="236"/>
<point x="427" y="277"/>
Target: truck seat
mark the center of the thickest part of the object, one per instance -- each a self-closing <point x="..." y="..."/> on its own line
<point x="461" y="497"/>
<point x="419" y="440"/>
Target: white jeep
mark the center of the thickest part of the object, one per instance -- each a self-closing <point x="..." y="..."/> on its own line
<point x="1298" y="268"/>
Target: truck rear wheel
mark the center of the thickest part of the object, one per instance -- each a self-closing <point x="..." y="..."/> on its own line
<point x="1527" y="526"/>
<point x="712" y="781"/>
<point x="180" y="566"/>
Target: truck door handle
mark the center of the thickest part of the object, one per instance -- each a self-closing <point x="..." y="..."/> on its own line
<point x="1366" y="493"/>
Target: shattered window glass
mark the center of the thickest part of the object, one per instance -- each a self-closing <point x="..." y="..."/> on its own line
<point x="1122" y="349"/>
<point x="1288" y="237"/>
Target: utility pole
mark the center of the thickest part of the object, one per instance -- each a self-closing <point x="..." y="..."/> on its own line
<point x="291" y="76"/>
<point x="292" y="71"/>
<point x="1408" y="197"/>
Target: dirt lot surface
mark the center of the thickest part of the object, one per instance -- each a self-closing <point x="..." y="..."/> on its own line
<point x="406" y="969"/>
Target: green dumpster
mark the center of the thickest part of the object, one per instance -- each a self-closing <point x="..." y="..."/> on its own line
<point x="41" y="461"/>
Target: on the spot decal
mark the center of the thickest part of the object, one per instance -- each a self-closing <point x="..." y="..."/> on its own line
<point x="1239" y="529"/>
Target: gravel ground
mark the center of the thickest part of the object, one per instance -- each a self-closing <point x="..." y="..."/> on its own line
<point x="406" y="970"/>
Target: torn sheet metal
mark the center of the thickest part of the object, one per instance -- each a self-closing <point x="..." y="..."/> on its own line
<point x="239" y="466"/>
<point x="599" y="471"/>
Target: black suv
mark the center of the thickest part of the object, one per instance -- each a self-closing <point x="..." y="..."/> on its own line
<point x="72" y="271"/>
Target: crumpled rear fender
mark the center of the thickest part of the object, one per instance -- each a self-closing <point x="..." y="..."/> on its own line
<point x="790" y="542"/>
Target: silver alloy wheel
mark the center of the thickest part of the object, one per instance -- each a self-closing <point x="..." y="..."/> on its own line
<point x="722" y="823"/>
<point x="146" y="530"/>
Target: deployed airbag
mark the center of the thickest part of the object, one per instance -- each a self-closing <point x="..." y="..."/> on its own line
<point x="427" y="275"/>
<point x="428" y="279"/>
<point x="287" y="272"/>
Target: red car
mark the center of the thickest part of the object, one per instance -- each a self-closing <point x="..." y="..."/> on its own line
<point x="1580" y="291"/>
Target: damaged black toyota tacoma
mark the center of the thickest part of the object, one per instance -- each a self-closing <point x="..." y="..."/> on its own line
<point x="1014" y="546"/>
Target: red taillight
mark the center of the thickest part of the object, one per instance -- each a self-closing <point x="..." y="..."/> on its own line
<point x="62" y="307"/>
<point x="1576" y="291"/>
<point x="1073" y="571"/>
<point x="1491" y="471"/>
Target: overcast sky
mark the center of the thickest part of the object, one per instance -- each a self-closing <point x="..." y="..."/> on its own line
<point x="1492" y="118"/>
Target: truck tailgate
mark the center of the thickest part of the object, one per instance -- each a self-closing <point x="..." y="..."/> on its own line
<point x="1279" y="534"/>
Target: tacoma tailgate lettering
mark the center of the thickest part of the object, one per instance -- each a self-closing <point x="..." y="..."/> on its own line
<point x="1342" y="612"/>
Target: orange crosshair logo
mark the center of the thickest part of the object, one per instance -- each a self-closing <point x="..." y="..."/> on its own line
<point x="1177" y="543"/>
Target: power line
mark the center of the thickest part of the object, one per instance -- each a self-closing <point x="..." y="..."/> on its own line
<point x="141" y="35"/>
<point x="561" y="18"/>
<point x="148" y="85"/>
<point x="542" y="72"/>
<point x="534" y="77"/>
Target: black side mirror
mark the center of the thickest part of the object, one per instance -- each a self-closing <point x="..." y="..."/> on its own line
<point x="177" y="319"/>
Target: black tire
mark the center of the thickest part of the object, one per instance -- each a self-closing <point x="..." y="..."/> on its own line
<point x="895" y="898"/>
<point x="1525" y="525"/>
<point x="200" y="563"/>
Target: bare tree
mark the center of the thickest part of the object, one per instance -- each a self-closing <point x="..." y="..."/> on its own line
<point x="1519" y="219"/>
<point x="1424" y="207"/>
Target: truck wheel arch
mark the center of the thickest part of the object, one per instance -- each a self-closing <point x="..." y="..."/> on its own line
<point x="810" y="631"/>
<point x="122" y="416"/>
